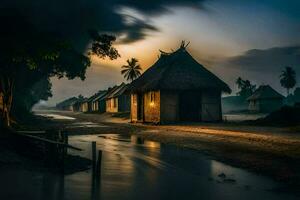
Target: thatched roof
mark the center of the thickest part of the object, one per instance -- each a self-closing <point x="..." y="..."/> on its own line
<point x="265" y="92"/>
<point x="177" y="71"/>
<point x="84" y="100"/>
<point x="100" y="96"/>
<point x="117" y="91"/>
<point x="68" y="102"/>
<point x="96" y="95"/>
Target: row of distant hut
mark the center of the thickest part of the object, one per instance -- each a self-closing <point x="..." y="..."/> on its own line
<point x="112" y="100"/>
<point x="175" y="88"/>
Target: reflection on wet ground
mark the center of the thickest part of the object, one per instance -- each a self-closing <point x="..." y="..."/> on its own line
<point x="84" y="125"/>
<point x="55" y="116"/>
<point x="72" y="125"/>
<point x="133" y="168"/>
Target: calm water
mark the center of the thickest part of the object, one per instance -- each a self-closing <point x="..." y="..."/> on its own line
<point x="136" y="169"/>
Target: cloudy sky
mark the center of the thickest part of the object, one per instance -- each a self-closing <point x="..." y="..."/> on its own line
<point x="252" y="39"/>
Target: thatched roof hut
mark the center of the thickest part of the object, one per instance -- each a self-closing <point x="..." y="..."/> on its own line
<point x="183" y="90"/>
<point x="117" y="100"/>
<point x="98" y="102"/>
<point x="265" y="99"/>
<point x="177" y="71"/>
<point x="91" y="100"/>
<point x="117" y="91"/>
<point x="265" y="92"/>
<point x="67" y="104"/>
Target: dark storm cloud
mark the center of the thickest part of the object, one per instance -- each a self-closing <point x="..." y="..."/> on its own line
<point x="137" y="30"/>
<point x="268" y="60"/>
<point x="154" y="7"/>
<point x="73" y="18"/>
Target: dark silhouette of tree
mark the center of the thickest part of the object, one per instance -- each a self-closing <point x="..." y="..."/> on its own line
<point x="102" y="45"/>
<point x="132" y="70"/>
<point x="246" y="88"/>
<point x="30" y="56"/>
<point x="288" y="79"/>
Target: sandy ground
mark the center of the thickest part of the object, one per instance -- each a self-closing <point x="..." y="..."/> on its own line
<point x="272" y="151"/>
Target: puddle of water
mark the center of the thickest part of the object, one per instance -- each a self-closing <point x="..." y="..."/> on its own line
<point x="55" y="116"/>
<point x="167" y="172"/>
<point x="73" y="125"/>
<point x="242" y="117"/>
<point x="85" y="125"/>
<point x="133" y="168"/>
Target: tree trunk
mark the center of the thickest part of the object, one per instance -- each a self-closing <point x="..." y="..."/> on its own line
<point x="6" y="117"/>
<point x="7" y="87"/>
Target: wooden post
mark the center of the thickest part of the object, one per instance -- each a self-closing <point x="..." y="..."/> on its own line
<point x="66" y="141"/>
<point x="98" y="167"/>
<point x="59" y="136"/>
<point x="94" y="155"/>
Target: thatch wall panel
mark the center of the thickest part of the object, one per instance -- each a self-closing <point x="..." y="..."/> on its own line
<point x="169" y="106"/>
<point x="133" y="112"/>
<point x="111" y="105"/>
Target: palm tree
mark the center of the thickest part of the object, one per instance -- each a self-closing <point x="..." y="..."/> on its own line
<point x="132" y="70"/>
<point x="246" y="87"/>
<point x="288" y="79"/>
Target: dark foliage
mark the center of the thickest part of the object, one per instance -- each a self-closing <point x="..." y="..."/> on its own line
<point x="288" y="79"/>
<point x="246" y="88"/>
<point x="287" y="115"/>
<point x="102" y="45"/>
<point x="30" y="56"/>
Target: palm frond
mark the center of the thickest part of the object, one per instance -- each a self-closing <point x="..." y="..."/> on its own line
<point x="125" y="66"/>
<point x="124" y="71"/>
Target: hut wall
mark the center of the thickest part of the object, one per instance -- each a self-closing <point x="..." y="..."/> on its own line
<point x="112" y="105"/>
<point x="75" y="107"/>
<point x="70" y="108"/>
<point x="253" y="106"/>
<point x="152" y="106"/>
<point x="90" y="106"/>
<point x="124" y="103"/>
<point x="133" y="108"/>
<point x="84" y="107"/>
<point x="265" y="105"/>
<point x="211" y="106"/>
<point x="95" y="106"/>
<point x="101" y="106"/>
<point x="169" y="106"/>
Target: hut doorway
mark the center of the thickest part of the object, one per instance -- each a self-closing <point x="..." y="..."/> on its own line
<point x="140" y="109"/>
<point x="190" y="106"/>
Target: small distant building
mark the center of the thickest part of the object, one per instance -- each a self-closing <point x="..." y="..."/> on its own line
<point x="89" y="102"/>
<point x="117" y="100"/>
<point x="84" y="106"/>
<point x="98" y="103"/>
<point x="177" y="88"/>
<point x="265" y="99"/>
<point x="77" y="105"/>
<point x="67" y="104"/>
